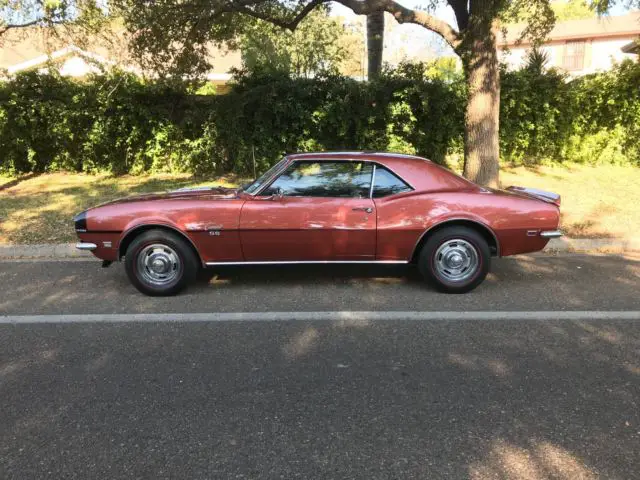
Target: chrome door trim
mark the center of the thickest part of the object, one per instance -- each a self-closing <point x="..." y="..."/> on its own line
<point x="273" y="177"/>
<point x="312" y="262"/>
<point x="373" y="181"/>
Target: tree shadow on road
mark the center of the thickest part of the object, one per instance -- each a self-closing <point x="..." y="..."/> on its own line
<point x="498" y="399"/>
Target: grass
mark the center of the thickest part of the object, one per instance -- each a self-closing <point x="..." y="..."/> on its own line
<point x="4" y="180"/>
<point x="597" y="202"/>
<point x="38" y="209"/>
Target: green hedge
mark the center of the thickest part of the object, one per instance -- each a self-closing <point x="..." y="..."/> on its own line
<point x="591" y="119"/>
<point x="118" y="123"/>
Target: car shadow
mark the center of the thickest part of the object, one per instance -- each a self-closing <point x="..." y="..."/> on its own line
<point x="308" y="274"/>
<point x="527" y="282"/>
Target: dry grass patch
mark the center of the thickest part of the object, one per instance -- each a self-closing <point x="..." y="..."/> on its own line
<point x="597" y="201"/>
<point x="39" y="209"/>
<point x="4" y="180"/>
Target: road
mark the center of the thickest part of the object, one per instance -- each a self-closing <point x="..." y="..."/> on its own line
<point x="536" y="282"/>
<point x="535" y="398"/>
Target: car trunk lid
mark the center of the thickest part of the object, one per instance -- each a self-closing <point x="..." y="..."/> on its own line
<point x="548" y="197"/>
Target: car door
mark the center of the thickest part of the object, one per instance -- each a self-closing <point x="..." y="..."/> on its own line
<point x="398" y="214"/>
<point x="316" y="210"/>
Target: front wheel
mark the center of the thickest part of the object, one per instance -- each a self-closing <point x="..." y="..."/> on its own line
<point x="160" y="263"/>
<point x="455" y="259"/>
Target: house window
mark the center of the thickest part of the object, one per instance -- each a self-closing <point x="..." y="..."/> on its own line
<point x="573" y="58"/>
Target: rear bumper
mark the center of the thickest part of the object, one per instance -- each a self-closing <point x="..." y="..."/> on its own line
<point x="86" y="246"/>
<point x="551" y="233"/>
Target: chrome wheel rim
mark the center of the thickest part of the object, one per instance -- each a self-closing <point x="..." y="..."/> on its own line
<point x="456" y="260"/>
<point x="159" y="264"/>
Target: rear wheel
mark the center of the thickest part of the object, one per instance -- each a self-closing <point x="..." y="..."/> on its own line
<point x="455" y="259"/>
<point x="160" y="263"/>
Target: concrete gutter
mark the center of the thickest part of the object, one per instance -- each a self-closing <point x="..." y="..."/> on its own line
<point x="43" y="250"/>
<point x="556" y="245"/>
<point x="593" y="245"/>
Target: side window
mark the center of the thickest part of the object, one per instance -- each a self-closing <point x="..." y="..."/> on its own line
<point x="324" y="179"/>
<point x="387" y="183"/>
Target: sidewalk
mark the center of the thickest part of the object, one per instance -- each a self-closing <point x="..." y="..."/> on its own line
<point x="556" y="245"/>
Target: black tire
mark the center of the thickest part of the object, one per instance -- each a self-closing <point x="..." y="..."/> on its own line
<point x="460" y="238"/>
<point x="176" y="256"/>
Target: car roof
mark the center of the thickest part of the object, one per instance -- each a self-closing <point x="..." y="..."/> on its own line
<point x="350" y="155"/>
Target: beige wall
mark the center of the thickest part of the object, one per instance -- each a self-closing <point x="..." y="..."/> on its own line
<point x="600" y="54"/>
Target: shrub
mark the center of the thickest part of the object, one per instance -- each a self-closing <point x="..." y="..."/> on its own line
<point x="118" y="123"/>
<point x="536" y="116"/>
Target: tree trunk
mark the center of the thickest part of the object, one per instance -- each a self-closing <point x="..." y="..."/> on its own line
<point x="482" y="116"/>
<point x="375" y="44"/>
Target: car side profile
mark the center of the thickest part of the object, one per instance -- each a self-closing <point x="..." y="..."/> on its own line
<point x="330" y="207"/>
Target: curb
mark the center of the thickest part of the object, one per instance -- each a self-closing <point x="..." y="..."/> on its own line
<point x="556" y="245"/>
<point x="43" y="250"/>
<point x="593" y="245"/>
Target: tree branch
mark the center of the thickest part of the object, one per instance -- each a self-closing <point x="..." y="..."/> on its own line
<point x="405" y="15"/>
<point x="12" y="26"/>
<point x="291" y="24"/>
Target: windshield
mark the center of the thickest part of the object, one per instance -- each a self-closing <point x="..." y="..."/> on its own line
<point x="253" y="187"/>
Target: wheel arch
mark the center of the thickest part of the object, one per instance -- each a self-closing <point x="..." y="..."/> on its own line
<point x="487" y="233"/>
<point x="130" y="234"/>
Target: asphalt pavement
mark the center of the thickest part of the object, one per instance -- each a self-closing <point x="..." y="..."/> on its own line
<point x="541" y="394"/>
<point x="532" y="282"/>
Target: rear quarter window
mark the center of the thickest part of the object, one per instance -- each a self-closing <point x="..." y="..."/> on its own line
<point x="388" y="183"/>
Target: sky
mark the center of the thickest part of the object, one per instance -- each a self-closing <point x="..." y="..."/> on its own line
<point x="414" y="39"/>
<point x="411" y="39"/>
<point x="445" y="12"/>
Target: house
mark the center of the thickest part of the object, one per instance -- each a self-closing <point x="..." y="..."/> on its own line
<point x="38" y="50"/>
<point x="578" y="47"/>
<point x="632" y="47"/>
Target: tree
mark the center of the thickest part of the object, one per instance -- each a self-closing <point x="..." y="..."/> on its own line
<point x="572" y="10"/>
<point x="174" y="35"/>
<point x="375" y="44"/>
<point x="312" y="47"/>
<point x="536" y="61"/>
<point x="164" y="27"/>
<point x="87" y="15"/>
<point x="443" y="68"/>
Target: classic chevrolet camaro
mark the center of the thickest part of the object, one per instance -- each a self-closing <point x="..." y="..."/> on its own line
<point x="341" y="207"/>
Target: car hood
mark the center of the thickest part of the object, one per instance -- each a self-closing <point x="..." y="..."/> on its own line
<point x="199" y="193"/>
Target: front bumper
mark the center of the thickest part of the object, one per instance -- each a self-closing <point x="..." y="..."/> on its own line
<point x="86" y="246"/>
<point x="551" y="233"/>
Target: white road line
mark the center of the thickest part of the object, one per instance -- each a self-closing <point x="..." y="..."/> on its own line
<point x="319" y="316"/>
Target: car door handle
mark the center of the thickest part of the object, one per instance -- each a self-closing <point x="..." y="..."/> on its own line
<point x="363" y="209"/>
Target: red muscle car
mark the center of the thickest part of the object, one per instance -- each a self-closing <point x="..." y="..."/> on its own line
<point x="347" y="207"/>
